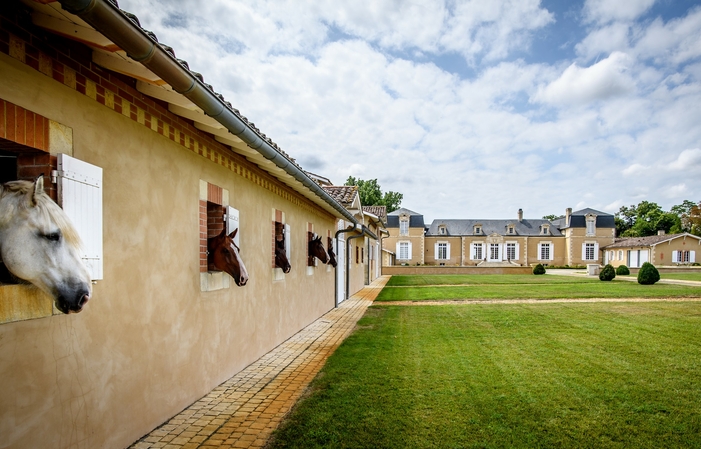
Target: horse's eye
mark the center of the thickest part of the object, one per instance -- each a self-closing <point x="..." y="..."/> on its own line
<point x="52" y="236"/>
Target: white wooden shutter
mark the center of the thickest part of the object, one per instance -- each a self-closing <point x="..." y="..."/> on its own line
<point x="675" y="256"/>
<point x="516" y="255"/>
<point x="231" y="218"/>
<point x="80" y="196"/>
<point x="596" y="250"/>
<point x="447" y="251"/>
<point x="287" y="243"/>
<point x="692" y="256"/>
<point x="472" y="251"/>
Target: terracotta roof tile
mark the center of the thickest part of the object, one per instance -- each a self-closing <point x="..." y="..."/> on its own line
<point x="342" y="194"/>
<point x="379" y="211"/>
<point x="642" y="241"/>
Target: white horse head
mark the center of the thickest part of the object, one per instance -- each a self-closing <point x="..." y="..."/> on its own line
<point x="38" y="244"/>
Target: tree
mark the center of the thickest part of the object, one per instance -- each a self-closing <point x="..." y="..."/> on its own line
<point x="645" y="219"/>
<point x="371" y="194"/>
<point x="692" y="220"/>
<point x="553" y="217"/>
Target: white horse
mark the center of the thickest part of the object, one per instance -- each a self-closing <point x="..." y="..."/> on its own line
<point x="38" y="244"/>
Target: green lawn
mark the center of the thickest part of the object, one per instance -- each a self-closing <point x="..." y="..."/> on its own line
<point x="682" y="276"/>
<point x="623" y="375"/>
<point x="523" y="286"/>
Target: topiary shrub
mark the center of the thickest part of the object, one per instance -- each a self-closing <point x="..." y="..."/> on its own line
<point x="539" y="269"/>
<point x="648" y="274"/>
<point x="607" y="273"/>
<point x="622" y="270"/>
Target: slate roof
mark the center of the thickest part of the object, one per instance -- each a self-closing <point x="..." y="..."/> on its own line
<point x="651" y="240"/>
<point x="457" y="227"/>
<point x="379" y="211"/>
<point x="578" y="219"/>
<point x="416" y="220"/>
<point x="342" y="194"/>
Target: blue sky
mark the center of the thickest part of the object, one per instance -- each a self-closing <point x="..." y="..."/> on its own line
<point x="471" y="109"/>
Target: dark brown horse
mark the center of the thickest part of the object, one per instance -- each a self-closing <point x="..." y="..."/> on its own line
<point x="281" y="257"/>
<point x="316" y="249"/>
<point x="224" y="256"/>
<point x="332" y="255"/>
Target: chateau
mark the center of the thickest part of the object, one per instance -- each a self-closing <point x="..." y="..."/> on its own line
<point x="575" y="239"/>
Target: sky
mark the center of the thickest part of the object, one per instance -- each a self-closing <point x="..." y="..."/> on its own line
<point x="470" y="109"/>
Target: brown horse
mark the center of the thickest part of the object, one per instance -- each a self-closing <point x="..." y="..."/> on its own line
<point x="281" y="257"/>
<point x="316" y="249"/>
<point x="332" y="255"/>
<point x="225" y="256"/>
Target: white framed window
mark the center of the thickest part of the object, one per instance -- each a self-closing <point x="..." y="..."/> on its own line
<point x="545" y="230"/>
<point x="589" y="251"/>
<point x="591" y="225"/>
<point x="404" y="227"/>
<point x="545" y="251"/>
<point x="494" y="251"/>
<point x="478" y="229"/>
<point x="683" y="256"/>
<point x="476" y="251"/>
<point x="620" y="254"/>
<point x="403" y="250"/>
<point x="442" y="251"/>
<point x="442" y="230"/>
<point x="511" y="251"/>
<point x="511" y="231"/>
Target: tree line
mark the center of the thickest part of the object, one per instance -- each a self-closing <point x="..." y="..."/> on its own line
<point x="647" y="218"/>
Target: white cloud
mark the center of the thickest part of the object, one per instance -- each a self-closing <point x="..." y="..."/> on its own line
<point x="511" y="134"/>
<point x="582" y="85"/>
<point x="676" y="42"/>
<point x="604" y="11"/>
<point x="687" y="160"/>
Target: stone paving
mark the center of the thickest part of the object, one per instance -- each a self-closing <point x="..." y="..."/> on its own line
<point x="243" y="411"/>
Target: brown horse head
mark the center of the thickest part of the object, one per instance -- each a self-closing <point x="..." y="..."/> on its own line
<point x="281" y="258"/>
<point x="316" y="249"/>
<point x="225" y="256"/>
<point x="332" y="255"/>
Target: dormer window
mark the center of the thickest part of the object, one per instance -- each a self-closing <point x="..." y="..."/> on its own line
<point x="404" y="225"/>
<point x="591" y="225"/>
<point x="510" y="230"/>
<point x="442" y="230"/>
<point x="546" y="230"/>
<point x="478" y="229"/>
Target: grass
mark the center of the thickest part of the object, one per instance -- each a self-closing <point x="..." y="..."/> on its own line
<point x="523" y="286"/>
<point x="682" y="276"/>
<point x="496" y="376"/>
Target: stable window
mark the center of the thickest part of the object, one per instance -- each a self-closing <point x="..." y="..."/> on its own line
<point x="31" y="146"/>
<point x="281" y="242"/>
<point x="216" y="215"/>
<point x="683" y="256"/>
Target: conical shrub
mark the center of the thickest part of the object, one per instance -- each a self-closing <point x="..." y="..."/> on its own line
<point x="622" y="270"/>
<point x="539" y="269"/>
<point x="648" y="274"/>
<point x="607" y="273"/>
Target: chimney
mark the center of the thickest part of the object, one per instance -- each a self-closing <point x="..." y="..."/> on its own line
<point x="520" y="215"/>
<point x="660" y="232"/>
<point x="568" y="212"/>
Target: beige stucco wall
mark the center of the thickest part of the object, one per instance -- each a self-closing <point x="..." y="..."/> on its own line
<point x="149" y="342"/>
<point x="415" y="236"/>
<point x="660" y="254"/>
<point x="577" y="236"/>
<point x="455" y="244"/>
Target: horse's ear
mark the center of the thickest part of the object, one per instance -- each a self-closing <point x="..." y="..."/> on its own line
<point x="222" y="233"/>
<point x="37" y="190"/>
<point x="233" y="234"/>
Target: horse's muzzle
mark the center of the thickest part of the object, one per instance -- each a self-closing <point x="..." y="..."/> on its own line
<point x="72" y="301"/>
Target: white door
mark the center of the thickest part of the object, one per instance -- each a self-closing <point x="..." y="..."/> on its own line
<point x="633" y="259"/>
<point x="644" y="257"/>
